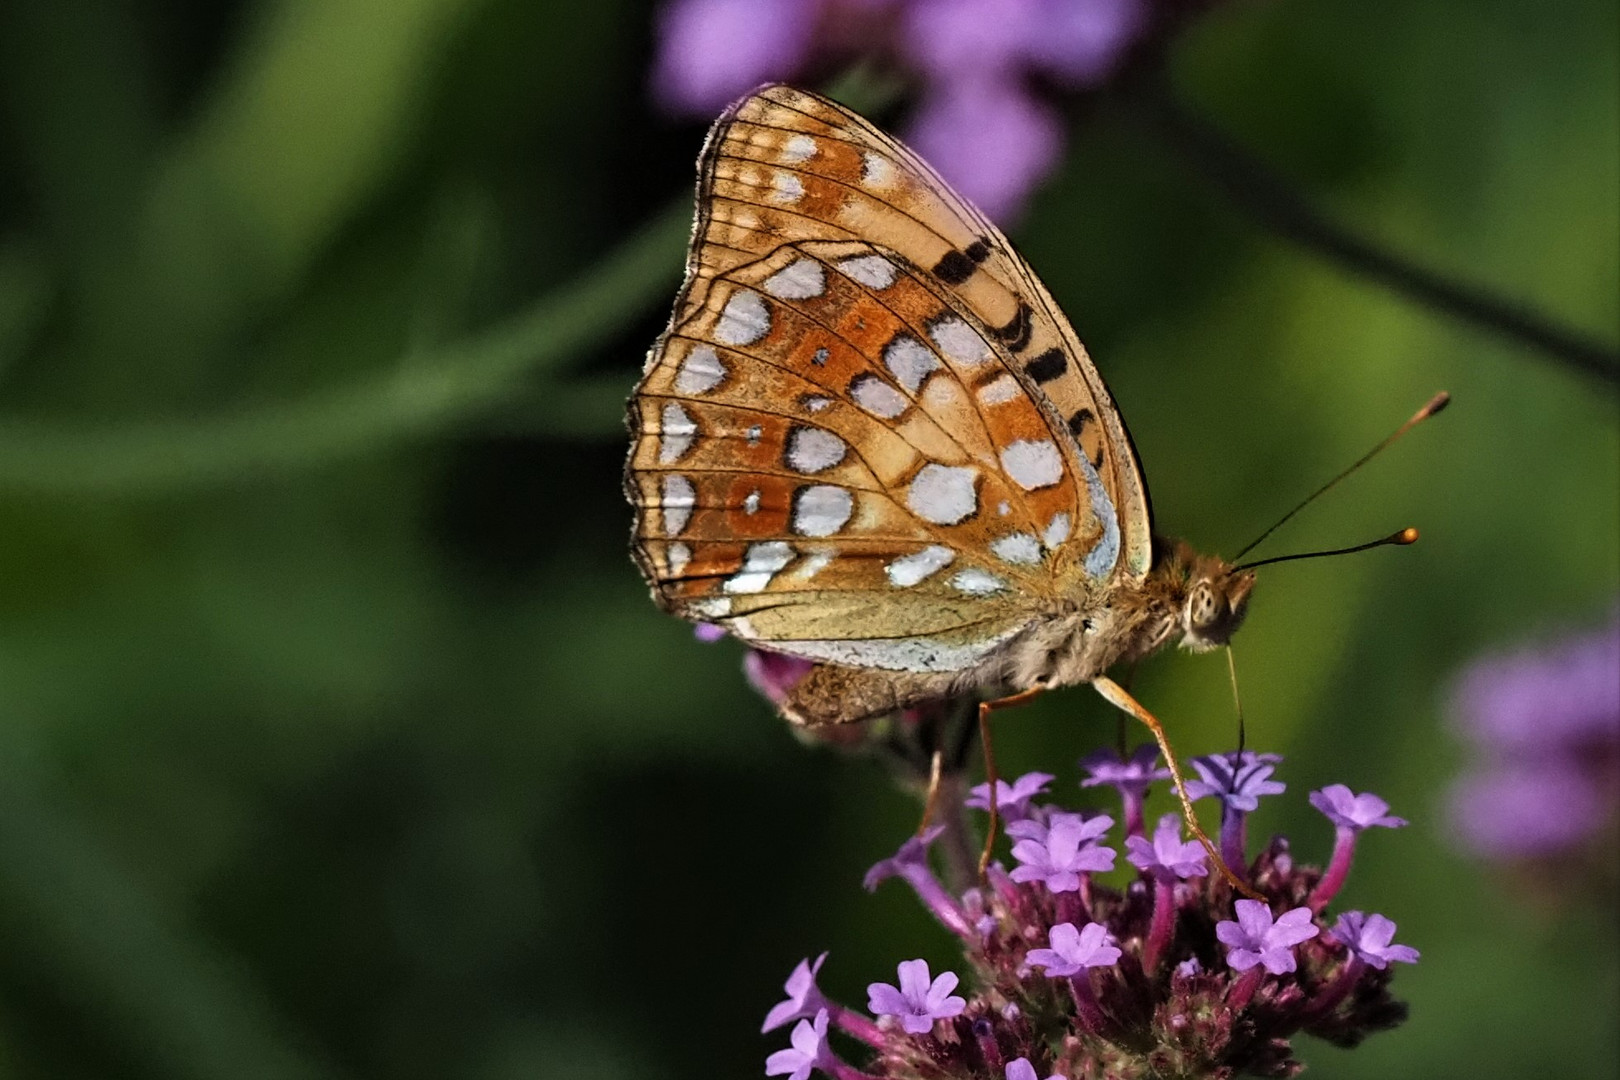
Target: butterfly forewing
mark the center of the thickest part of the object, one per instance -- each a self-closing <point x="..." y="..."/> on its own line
<point x="867" y="437"/>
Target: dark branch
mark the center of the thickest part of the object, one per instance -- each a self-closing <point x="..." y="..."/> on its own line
<point x="1266" y="197"/>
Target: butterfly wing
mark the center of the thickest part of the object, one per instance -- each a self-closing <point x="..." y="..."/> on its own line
<point x="867" y="436"/>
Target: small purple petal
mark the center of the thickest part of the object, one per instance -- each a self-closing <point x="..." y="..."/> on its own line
<point x="912" y="854"/>
<point x="1021" y="1069"/>
<point x="1067" y="850"/>
<point x="804" y="998"/>
<point x="1012" y="800"/>
<point x="708" y="632"/>
<point x="1166" y="856"/>
<point x="1257" y="938"/>
<point x="1350" y="811"/>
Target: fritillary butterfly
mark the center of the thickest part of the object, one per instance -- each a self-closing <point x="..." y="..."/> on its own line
<point x="870" y="439"/>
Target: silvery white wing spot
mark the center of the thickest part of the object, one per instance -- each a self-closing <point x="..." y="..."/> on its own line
<point x="869" y="438"/>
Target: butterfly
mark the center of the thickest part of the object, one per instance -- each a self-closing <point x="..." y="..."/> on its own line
<point x="870" y="439"/>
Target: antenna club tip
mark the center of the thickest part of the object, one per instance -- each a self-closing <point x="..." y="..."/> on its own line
<point x="1436" y="404"/>
<point x="1407" y="535"/>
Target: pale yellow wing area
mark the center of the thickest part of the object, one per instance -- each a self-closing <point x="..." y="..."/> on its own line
<point x="785" y="164"/>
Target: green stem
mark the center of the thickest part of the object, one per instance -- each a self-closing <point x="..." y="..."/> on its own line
<point x="428" y="395"/>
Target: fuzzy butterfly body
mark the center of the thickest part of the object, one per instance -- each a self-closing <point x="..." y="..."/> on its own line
<point x="870" y="439"/>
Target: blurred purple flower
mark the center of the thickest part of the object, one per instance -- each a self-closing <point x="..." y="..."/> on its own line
<point x="978" y="120"/>
<point x="708" y="632"/>
<point x="774" y="675"/>
<point x="1368" y="938"/>
<point x="1257" y="938"/>
<point x="1068" y="849"/>
<point x="1075" y="950"/>
<point x="1012" y="800"/>
<point x="1021" y="1069"/>
<point x="1545" y="726"/>
<point x="911" y="864"/>
<point x="917" y="1002"/>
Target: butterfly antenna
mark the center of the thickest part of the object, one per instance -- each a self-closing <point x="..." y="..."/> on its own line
<point x="1406" y="536"/>
<point x="1435" y="404"/>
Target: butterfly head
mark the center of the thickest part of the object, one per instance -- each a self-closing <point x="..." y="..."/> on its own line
<point x="1216" y="601"/>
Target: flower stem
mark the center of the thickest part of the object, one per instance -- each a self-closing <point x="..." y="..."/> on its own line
<point x="1336" y="991"/>
<point x="1085" y="999"/>
<point x="1344" y="850"/>
<point x="944" y="906"/>
<point x="1162" y="926"/>
<point x="855" y="1025"/>
<point x="1234" y="841"/>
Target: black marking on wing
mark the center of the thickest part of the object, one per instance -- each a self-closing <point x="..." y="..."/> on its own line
<point x="1050" y="365"/>
<point x="1015" y="335"/>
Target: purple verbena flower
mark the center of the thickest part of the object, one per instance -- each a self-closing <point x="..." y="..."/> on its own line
<point x="808" y="1053"/>
<point x="1075" y="950"/>
<point x="1350" y="811"/>
<point x="911" y="864"/>
<point x="710" y="51"/>
<point x="1237" y="779"/>
<point x="804" y="998"/>
<point x="1255" y="938"/>
<point x="1519" y="810"/>
<point x="1012" y="800"/>
<point x="1167" y="856"/>
<point x="1368" y="938"/>
<point x="1131" y="776"/>
<point x="1068" y="849"/>
<point x="917" y="1002"/>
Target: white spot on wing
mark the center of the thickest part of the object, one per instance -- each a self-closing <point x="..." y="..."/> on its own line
<point x="1033" y="463"/>
<point x="1021" y="548"/>
<point x="1004" y="388"/>
<point x="942" y="494"/>
<point x="897" y="654"/>
<point x="754" y="434"/>
<point x="751" y="503"/>
<point x="821" y="510"/>
<point x="811" y="450"/>
<point x="799" y="280"/>
<point x="677" y="500"/>
<point x="976" y="582"/>
<point x="1101" y="558"/>
<point x="676" y="430"/>
<point x="1057" y="530"/>
<point x="908" y="570"/>
<point x="876" y="170"/>
<point x="815" y="402"/>
<point x="700" y="372"/>
<point x="814" y="563"/>
<point x="760" y="563"/>
<point x="873" y="271"/>
<point x="787" y="188"/>
<point x="959" y="341"/>
<point x="798" y="149"/>
<point x="877" y="397"/>
<point x="677" y="555"/>
<point x="711" y="607"/>
<point x="744" y="320"/>
<point x="909" y="361"/>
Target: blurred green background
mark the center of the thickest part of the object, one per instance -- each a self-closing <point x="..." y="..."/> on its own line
<point x="338" y="736"/>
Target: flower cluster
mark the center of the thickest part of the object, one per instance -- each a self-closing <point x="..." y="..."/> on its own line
<point x="1544" y="729"/>
<point x="1174" y="975"/>
<point x="985" y="70"/>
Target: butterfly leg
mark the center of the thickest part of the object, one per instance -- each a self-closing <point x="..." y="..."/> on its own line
<point x="1117" y="697"/>
<point x="990" y="777"/>
<point x="936" y="776"/>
